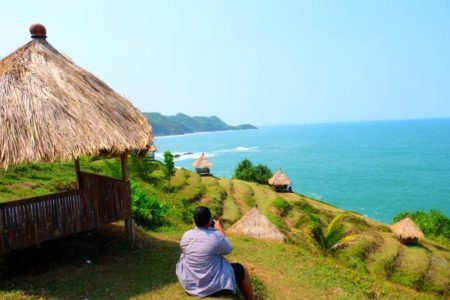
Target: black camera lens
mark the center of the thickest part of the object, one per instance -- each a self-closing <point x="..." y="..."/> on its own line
<point x="213" y="223"/>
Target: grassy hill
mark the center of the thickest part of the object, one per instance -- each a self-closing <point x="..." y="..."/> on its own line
<point x="375" y="266"/>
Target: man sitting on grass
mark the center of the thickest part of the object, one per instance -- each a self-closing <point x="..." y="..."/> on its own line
<point x="202" y="270"/>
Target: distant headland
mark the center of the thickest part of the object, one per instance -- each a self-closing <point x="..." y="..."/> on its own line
<point x="183" y="124"/>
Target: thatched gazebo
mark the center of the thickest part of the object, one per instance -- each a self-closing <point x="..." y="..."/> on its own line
<point x="407" y="231"/>
<point x="202" y="165"/>
<point x="53" y="110"/>
<point x="280" y="181"/>
<point x="256" y="225"/>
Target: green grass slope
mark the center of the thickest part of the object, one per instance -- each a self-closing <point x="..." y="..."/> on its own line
<point x="375" y="266"/>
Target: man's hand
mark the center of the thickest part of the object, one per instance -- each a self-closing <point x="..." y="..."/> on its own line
<point x="218" y="227"/>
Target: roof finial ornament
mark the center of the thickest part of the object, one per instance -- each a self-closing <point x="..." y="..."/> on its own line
<point x="38" y="31"/>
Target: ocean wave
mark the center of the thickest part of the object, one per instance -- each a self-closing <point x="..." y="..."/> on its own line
<point x="238" y="149"/>
<point x="180" y="156"/>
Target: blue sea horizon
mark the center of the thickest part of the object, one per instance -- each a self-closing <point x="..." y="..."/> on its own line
<point x="376" y="168"/>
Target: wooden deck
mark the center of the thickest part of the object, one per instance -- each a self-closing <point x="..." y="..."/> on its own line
<point x="100" y="200"/>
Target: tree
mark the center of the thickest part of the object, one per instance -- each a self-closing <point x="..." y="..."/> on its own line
<point x="262" y="173"/>
<point x="332" y="236"/>
<point x="245" y="170"/>
<point x="169" y="165"/>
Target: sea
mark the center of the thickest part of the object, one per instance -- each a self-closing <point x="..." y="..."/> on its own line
<point x="377" y="169"/>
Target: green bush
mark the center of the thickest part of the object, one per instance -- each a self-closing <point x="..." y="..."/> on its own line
<point x="245" y="170"/>
<point x="433" y="223"/>
<point x="141" y="168"/>
<point x="147" y="210"/>
<point x="283" y="206"/>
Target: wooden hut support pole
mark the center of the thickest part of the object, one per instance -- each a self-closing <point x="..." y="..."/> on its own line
<point x="129" y="228"/>
<point x="77" y="173"/>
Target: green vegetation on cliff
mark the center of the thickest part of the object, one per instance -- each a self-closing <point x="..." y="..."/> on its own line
<point x="182" y="124"/>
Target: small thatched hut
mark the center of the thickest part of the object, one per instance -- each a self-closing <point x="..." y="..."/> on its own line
<point x="280" y="181"/>
<point x="255" y="224"/>
<point x="202" y="165"/>
<point x="53" y="110"/>
<point x="407" y="231"/>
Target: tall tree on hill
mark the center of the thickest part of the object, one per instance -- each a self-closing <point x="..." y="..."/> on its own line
<point x="169" y="166"/>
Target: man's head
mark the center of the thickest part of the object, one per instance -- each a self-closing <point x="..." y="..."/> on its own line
<point x="202" y="216"/>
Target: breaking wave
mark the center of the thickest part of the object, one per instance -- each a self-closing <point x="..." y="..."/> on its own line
<point x="238" y="149"/>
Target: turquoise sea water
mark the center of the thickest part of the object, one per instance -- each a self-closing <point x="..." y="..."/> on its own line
<point x="375" y="168"/>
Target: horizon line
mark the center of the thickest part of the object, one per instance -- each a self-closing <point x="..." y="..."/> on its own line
<point x="357" y="121"/>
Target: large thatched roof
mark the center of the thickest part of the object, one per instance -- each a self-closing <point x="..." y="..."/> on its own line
<point x="51" y="109"/>
<point x="202" y="162"/>
<point x="407" y="231"/>
<point x="279" y="179"/>
<point x="256" y="225"/>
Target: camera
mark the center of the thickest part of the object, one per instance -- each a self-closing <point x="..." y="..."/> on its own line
<point x="213" y="222"/>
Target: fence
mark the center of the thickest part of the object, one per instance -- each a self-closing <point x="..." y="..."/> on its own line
<point x="99" y="200"/>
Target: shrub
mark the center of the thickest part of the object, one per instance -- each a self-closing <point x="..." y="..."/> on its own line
<point x="283" y="206"/>
<point x="262" y="174"/>
<point x="433" y="223"/>
<point x="141" y="168"/>
<point x="147" y="210"/>
<point x="245" y="170"/>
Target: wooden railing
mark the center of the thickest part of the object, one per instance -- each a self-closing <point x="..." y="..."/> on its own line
<point x="99" y="200"/>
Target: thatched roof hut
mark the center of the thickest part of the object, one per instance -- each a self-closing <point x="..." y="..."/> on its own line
<point x="255" y="224"/>
<point x="51" y="109"/>
<point x="202" y="165"/>
<point x="279" y="179"/>
<point x="407" y="231"/>
<point x="202" y="162"/>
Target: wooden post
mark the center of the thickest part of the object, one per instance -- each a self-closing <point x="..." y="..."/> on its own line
<point x="124" y="162"/>
<point x="129" y="228"/>
<point x="77" y="173"/>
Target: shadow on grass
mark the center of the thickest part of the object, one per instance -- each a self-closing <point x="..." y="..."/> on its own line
<point x="96" y="265"/>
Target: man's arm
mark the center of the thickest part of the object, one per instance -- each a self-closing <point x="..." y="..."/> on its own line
<point x="218" y="227"/>
<point x="224" y="247"/>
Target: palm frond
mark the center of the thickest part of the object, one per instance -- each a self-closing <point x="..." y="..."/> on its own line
<point x="334" y="223"/>
<point x="334" y="235"/>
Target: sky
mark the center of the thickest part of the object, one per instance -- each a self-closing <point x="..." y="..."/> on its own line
<point x="259" y="62"/>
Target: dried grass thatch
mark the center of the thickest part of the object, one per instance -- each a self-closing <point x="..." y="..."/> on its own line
<point x="255" y="224"/>
<point x="279" y="179"/>
<point x="407" y="231"/>
<point x="202" y="162"/>
<point x="51" y="109"/>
